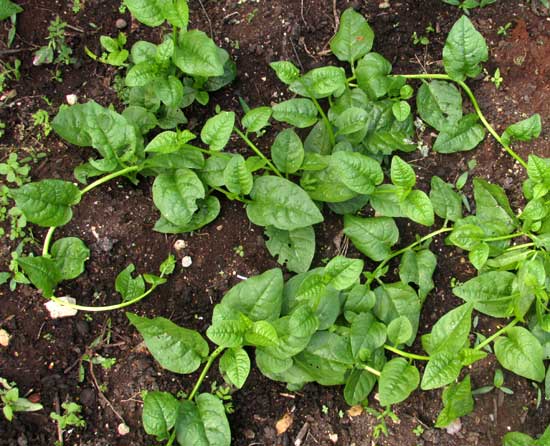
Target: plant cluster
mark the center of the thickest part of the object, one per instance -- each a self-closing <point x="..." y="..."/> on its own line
<point x="339" y="324"/>
<point x="12" y="402"/>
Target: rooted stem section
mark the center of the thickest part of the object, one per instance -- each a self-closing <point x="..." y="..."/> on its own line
<point x="475" y="104"/>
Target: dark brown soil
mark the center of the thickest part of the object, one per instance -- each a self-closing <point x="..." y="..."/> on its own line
<point x="116" y="223"/>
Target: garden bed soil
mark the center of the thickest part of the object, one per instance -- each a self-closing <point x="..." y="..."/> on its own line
<point x="116" y="222"/>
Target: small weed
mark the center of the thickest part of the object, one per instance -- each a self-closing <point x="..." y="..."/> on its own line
<point x="381" y="428"/>
<point x="239" y="250"/>
<point x="41" y="119"/>
<point x="418" y="430"/>
<point x="71" y="416"/>
<point x="11" y="401"/>
<point x="224" y="394"/>
<point x="77" y="6"/>
<point x="57" y="51"/>
<point x="250" y="16"/>
<point x="324" y="409"/>
<point x="503" y="30"/>
<point x="419" y="40"/>
<point x="497" y="79"/>
<point x="9" y="72"/>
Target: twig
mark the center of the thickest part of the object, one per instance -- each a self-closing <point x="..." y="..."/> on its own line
<point x="207" y="18"/>
<point x="74" y="28"/>
<point x="102" y="395"/>
<point x="336" y="18"/>
<point x="58" y="412"/>
<point x="302" y="434"/>
<point x="302" y="12"/>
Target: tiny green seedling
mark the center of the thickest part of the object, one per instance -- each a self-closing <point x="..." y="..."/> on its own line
<point x="239" y="250"/>
<point x="498" y="383"/>
<point x="57" y="51"/>
<point x="497" y="79"/>
<point x="12" y="402"/>
<point x="41" y="119"/>
<point x="71" y="417"/>
<point x="503" y="29"/>
<point x="418" y="430"/>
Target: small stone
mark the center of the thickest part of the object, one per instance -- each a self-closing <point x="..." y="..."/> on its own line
<point x="186" y="262"/>
<point x="123" y="429"/>
<point x="4" y="338"/>
<point x="121" y="24"/>
<point x="58" y="310"/>
<point x="180" y="245"/>
<point x="384" y="5"/>
<point x="71" y="99"/>
<point x="333" y="438"/>
<point x="455" y="427"/>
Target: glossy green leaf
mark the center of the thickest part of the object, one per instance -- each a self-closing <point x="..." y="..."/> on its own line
<point x="342" y="273"/>
<point x="418" y="267"/>
<point x="228" y="333"/>
<point x="520" y="352"/>
<point x="442" y="369"/>
<point x="294" y="248"/>
<point x="288" y="209"/>
<point x="358" y="386"/>
<point x="450" y="333"/>
<point x="237" y="177"/>
<point x="358" y="172"/>
<point x="299" y="112"/>
<point x="177" y="349"/>
<point x="492" y="293"/>
<point x="47" y="202"/>
<point x="208" y="210"/>
<point x="203" y="422"/>
<point x="70" y="255"/>
<point x="374" y="237"/>
<point x="401" y="110"/>
<point x="175" y="194"/>
<point x="159" y="413"/>
<point x="461" y="136"/>
<point x="8" y="8"/>
<point x="128" y="286"/>
<point x="447" y="203"/>
<point x="235" y="366"/>
<point x="372" y="75"/>
<point x="439" y="104"/>
<point x="397" y="381"/>
<point x="286" y="71"/>
<point x="418" y="207"/>
<point x="256" y="119"/>
<point x="42" y="272"/>
<point x="524" y="130"/>
<point x="287" y="151"/>
<point x="320" y="82"/>
<point x="197" y="55"/>
<point x="464" y="50"/>
<point x="400" y="330"/>
<point x="351" y="120"/>
<point x="148" y="12"/>
<point x="402" y="174"/>
<point x="538" y="169"/>
<point x="457" y="402"/>
<point x="366" y="335"/>
<point x="492" y="203"/>
<point x="261" y="334"/>
<point x="479" y="255"/>
<point x="217" y="130"/>
<point x="354" y="37"/>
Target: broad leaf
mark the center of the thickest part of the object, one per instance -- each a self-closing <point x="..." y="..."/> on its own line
<point x="288" y="209"/>
<point x="402" y="174"/>
<point x="299" y="112"/>
<point x="287" y="151"/>
<point x="8" y="8"/>
<point x="358" y="386"/>
<point x="418" y="267"/>
<point x="400" y="330"/>
<point x="70" y="255"/>
<point x="342" y="273"/>
<point x="197" y="55"/>
<point x="524" y="130"/>
<point x="294" y="248"/>
<point x="128" y="286"/>
<point x="159" y="414"/>
<point x="397" y="381"/>
<point x="42" y="272"/>
<point x="450" y="333"/>
<point x="357" y="172"/>
<point x="354" y="37"/>
<point x="366" y="335"/>
<point x="446" y="202"/>
<point x="235" y="366"/>
<point x="460" y="136"/>
<point x="176" y="348"/>
<point x="374" y="237"/>
<point x="457" y="402"/>
<point x="418" y="207"/>
<point x="237" y="177"/>
<point x="286" y="71"/>
<point x="442" y="369"/>
<point x="439" y="104"/>
<point x="320" y="82"/>
<point x="217" y="130"/>
<point x="464" y="50"/>
<point x="372" y="75"/>
<point x="47" y="202"/>
<point x="256" y="119"/>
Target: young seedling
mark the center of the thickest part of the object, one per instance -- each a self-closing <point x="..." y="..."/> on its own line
<point x="12" y="402"/>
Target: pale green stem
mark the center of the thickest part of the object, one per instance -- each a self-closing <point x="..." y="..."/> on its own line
<point x="207" y="366"/>
<point x="504" y="237"/>
<point x="257" y="151"/>
<point x="475" y="104"/>
<point x="496" y="335"/>
<point x="406" y="354"/>
<point x="325" y="120"/>
<point x="371" y="370"/>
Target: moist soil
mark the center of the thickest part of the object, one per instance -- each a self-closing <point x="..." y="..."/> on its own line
<point x="116" y="222"/>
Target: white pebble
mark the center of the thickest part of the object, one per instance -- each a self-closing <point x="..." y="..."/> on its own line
<point x="123" y="429"/>
<point x="180" y="245"/>
<point x="455" y="427"/>
<point x="71" y="99"/>
<point x="4" y="338"/>
<point x="58" y="311"/>
<point x="186" y="261"/>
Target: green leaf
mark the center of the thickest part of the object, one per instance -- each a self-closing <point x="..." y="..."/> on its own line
<point x="492" y="293"/>
<point x="518" y="439"/>
<point x="175" y="194"/>
<point x="354" y="37"/>
<point x="400" y="330"/>
<point x="320" y="82"/>
<point x="418" y="267"/>
<point x="479" y="254"/>
<point x="177" y="13"/>
<point x="442" y="369"/>
<point x="372" y="75"/>
<point x="8" y="8"/>
<point x="357" y="172"/>
<point x="366" y="335"/>
<point x="418" y="207"/>
<point x="299" y="112"/>
<point x="261" y="334"/>
<point x="287" y="151"/>
<point x="148" y="12"/>
<point x="358" y="386"/>
<point x="177" y="349"/>
<point x="256" y="119"/>
<point x="520" y="352"/>
<point x="402" y="174"/>
<point x="401" y="110"/>
<point x="351" y="120"/>
<point x="70" y="255"/>
<point x="460" y="136"/>
<point x="42" y="272"/>
<point x="446" y="202"/>
<point x="159" y="414"/>
<point x="450" y="333"/>
<point x="203" y="422"/>
<point x="359" y="300"/>
<point x="342" y="273"/>
<point x="259" y="297"/>
<point x="374" y="237"/>
<point x="170" y="91"/>
<point x="464" y="50"/>
<point x="538" y="169"/>
<point x="439" y="104"/>
<point x="325" y="185"/>
<point x="235" y="366"/>
<point x="524" y="130"/>
<point x="457" y="402"/>
<point x="294" y="248"/>
<point x="208" y="210"/>
<point x="47" y="202"/>
<point x="217" y="130"/>
<point x="397" y="381"/>
<point x="228" y="333"/>
<point x="128" y="286"/>
<point x="286" y="71"/>
<point x="197" y="55"/>
<point x="492" y="204"/>
<point x="237" y="177"/>
<point x="290" y="208"/>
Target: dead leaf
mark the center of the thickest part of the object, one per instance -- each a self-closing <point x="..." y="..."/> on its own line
<point x="284" y="423"/>
<point x="355" y="411"/>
